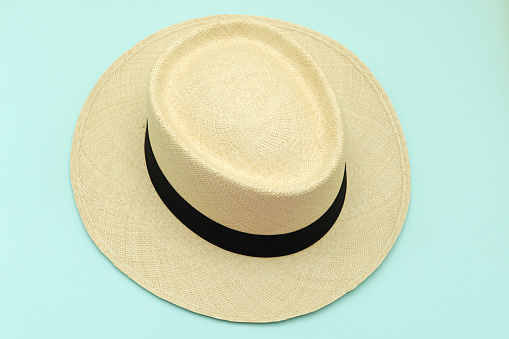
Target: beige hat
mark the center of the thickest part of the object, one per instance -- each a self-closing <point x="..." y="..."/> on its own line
<point x="210" y="162"/>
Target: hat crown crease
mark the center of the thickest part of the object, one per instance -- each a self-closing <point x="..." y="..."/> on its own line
<point x="245" y="127"/>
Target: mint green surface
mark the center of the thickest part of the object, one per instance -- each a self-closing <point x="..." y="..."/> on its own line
<point x="445" y="66"/>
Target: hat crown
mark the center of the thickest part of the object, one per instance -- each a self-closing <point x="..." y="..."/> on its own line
<point x="245" y="127"/>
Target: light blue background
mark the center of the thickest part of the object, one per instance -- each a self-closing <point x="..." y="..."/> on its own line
<point x="445" y="66"/>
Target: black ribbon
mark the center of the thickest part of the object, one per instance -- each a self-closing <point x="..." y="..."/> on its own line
<point x="232" y="240"/>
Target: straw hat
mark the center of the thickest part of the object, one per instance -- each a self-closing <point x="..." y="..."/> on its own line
<point x="241" y="167"/>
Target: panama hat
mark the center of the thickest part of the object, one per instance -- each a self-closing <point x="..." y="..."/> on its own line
<point x="244" y="168"/>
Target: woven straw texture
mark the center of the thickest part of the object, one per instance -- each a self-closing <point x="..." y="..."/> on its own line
<point x="252" y="120"/>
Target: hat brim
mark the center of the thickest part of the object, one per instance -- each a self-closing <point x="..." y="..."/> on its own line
<point x="131" y="225"/>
